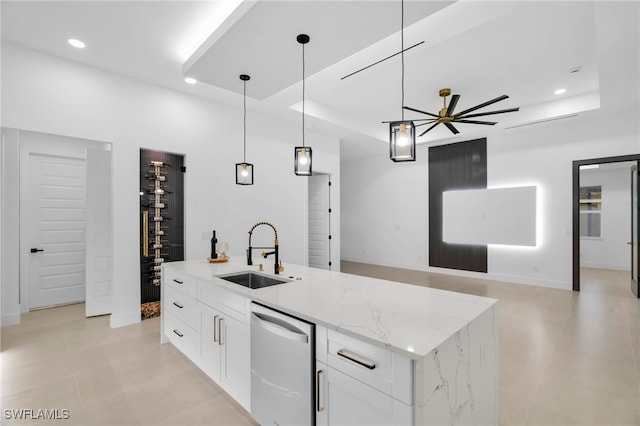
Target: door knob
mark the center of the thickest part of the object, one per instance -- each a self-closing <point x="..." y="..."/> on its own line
<point x="35" y="250"/>
<point x="629" y="242"/>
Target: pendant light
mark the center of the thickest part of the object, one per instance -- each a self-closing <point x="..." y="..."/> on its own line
<point x="402" y="134"/>
<point x="244" y="170"/>
<point x="302" y="154"/>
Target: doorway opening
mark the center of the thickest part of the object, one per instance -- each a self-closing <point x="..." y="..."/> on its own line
<point x="161" y="222"/>
<point x="585" y="210"/>
<point x="319" y="221"/>
<point x="62" y="191"/>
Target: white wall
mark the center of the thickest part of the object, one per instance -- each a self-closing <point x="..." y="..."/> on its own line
<point x="385" y="211"/>
<point x="611" y="250"/>
<point x="47" y="94"/>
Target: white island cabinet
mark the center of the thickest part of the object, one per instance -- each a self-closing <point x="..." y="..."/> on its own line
<point x="386" y="353"/>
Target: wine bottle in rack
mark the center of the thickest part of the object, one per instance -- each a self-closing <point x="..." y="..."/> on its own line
<point x="158" y="191"/>
<point x="160" y="218"/>
<point x="157" y="177"/>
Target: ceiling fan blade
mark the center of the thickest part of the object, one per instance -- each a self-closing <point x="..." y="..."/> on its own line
<point x="480" y="114"/>
<point x="453" y="129"/>
<point x="436" y="123"/>
<point x="489" y="123"/>
<point x="421" y="112"/>
<point x="452" y="104"/>
<point x="482" y="105"/>
<point x="431" y="120"/>
<point x="428" y="122"/>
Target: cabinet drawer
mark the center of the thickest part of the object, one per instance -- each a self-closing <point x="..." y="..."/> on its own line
<point x="230" y="303"/>
<point x="178" y="280"/>
<point x="184" y="307"/>
<point x="377" y="367"/>
<point x="183" y="337"/>
<point x="351" y="402"/>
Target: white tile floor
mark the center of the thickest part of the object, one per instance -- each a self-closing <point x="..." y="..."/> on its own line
<point x="565" y="359"/>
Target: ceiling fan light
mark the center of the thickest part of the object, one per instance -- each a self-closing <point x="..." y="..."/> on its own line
<point x="402" y="141"/>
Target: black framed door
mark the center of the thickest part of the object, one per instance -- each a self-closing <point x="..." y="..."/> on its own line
<point x="576" y="216"/>
<point x="635" y="230"/>
<point x="161" y="217"/>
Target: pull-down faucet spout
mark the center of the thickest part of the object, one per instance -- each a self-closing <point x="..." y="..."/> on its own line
<point x="264" y="254"/>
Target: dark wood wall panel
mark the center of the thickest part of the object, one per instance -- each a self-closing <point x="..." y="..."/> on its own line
<point x="460" y="165"/>
<point x="173" y="250"/>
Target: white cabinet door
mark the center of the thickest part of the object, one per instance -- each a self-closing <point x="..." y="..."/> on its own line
<point x="225" y="353"/>
<point x="322" y="413"/>
<point x="351" y="402"/>
<point x="211" y="353"/>
<point x="236" y="362"/>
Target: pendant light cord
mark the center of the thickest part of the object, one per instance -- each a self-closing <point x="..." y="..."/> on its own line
<point x="303" y="90"/>
<point x="244" y="144"/>
<point x="402" y="54"/>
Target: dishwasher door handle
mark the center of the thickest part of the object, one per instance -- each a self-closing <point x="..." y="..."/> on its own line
<point x="281" y="328"/>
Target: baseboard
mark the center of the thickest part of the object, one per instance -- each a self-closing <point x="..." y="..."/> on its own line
<point x="513" y="279"/>
<point x="10" y="319"/>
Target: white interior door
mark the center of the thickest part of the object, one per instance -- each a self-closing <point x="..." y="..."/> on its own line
<point x="56" y="218"/>
<point x="99" y="233"/>
<point x="319" y="221"/>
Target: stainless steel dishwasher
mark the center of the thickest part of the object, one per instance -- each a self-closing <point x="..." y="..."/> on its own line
<point x="282" y="368"/>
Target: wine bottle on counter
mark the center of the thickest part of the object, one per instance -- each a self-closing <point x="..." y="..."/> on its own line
<point x="214" y="241"/>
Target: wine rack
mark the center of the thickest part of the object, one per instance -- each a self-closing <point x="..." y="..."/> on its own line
<point x="161" y="221"/>
<point x="154" y="233"/>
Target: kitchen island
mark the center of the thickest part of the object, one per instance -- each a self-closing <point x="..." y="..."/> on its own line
<point x="436" y="351"/>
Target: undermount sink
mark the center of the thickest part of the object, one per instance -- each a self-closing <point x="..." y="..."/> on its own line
<point x="252" y="279"/>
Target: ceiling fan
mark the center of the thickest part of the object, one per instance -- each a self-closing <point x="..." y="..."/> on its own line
<point x="446" y="115"/>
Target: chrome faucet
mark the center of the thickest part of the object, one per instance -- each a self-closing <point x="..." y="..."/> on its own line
<point x="276" y="266"/>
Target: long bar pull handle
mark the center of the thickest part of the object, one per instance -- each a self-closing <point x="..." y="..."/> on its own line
<point x="220" y="342"/>
<point x="178" y="332"/>
<point x="319" y="405"/>
<point x="145" y="234"/>
<point x="354" y="358"/>
<point x="178" y="305"/>
<point x="215" y="329"/>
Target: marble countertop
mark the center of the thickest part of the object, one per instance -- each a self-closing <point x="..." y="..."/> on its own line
<point x="407" y="319"/>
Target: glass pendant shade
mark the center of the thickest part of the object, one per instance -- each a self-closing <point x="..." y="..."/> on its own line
<point x="244" y="170"/>
<point x="402" y="141"/>
<point x="302" y="161"/>
<point x="244" y="174"/>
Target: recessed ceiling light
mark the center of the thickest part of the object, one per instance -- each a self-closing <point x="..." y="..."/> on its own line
<point x="76" y="43"/>
<point x="190" y="80"/>
<point x="560" y="91"/>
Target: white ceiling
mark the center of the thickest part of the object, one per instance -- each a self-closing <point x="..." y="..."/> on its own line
<point x="479" y="49"/>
